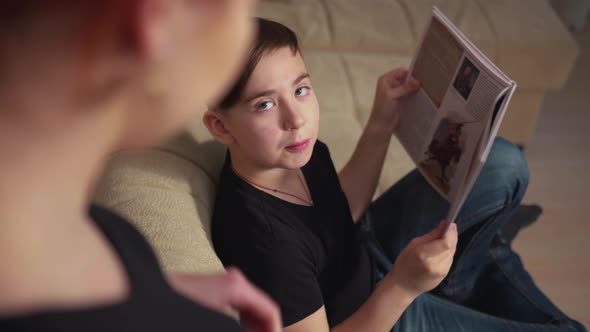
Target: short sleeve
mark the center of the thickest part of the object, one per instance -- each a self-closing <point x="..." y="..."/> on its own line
<point x="286" y="272"/>
<point x="322" y="164"/>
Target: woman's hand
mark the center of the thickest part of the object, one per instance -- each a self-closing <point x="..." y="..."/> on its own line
<point x="424" y="263"/>
<point x="230" y="290"/>
<point x="391" y="87"/>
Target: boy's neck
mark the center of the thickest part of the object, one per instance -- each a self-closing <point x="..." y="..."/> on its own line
<point x="256" y="174"/>
<point x="286" y="184"/>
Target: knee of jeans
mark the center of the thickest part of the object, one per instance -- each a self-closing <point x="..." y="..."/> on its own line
<point x="571" y="324"/>
<point x="509" y="167"/>
<point x="578" y="326"/>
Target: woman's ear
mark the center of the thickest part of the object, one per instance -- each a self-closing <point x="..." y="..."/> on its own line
<point x="214" y="121"/>
<point x="153" y="29"/>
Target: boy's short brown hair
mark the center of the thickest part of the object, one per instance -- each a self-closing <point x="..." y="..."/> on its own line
<point x="270" y="36"/>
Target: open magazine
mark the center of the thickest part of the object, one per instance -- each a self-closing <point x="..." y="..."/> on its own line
<point x="449" y="125"/>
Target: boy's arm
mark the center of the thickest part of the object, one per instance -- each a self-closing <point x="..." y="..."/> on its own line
<point x="379" y="313"/>
<point x="359" y="176"/>
<point x="420" y="267"/>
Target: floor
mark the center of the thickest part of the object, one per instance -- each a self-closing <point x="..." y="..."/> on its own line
<point x="556" y="249"/>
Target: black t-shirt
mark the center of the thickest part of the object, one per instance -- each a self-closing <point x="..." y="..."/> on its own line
<point x="152" y="305"/>
<point x="304" y="257"/>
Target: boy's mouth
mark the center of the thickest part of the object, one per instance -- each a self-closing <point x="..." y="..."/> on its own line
<point x="299" y="146"/>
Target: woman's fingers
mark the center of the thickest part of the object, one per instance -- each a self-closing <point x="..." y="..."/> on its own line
<point x="231" y="290"/>
<point x="257" y="310"/>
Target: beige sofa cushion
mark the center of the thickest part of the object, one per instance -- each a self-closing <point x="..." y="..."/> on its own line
<point x="370" y="26"/>
<point x="330" y="82"/>
<point x="468" y="16"/>
<point x="363" y="71"/>
<point x="525" y="38"/>
<point x="168" y="194"/>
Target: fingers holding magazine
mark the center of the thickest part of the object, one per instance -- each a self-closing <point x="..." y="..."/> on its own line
<point x="425" y="261"/>
<point x="391" y="87"/>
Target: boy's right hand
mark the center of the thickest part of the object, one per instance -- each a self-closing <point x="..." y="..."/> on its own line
<point x="391" y="87"/>
<point x="425" y="261"/>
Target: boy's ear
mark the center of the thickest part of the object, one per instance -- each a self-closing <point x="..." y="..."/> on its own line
<point x="214" y="122"/>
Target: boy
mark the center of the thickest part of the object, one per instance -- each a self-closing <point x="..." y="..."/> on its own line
<point x="293" y="224"/>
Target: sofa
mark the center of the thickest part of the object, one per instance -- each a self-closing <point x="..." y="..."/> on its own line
<point x="168" y="192"/>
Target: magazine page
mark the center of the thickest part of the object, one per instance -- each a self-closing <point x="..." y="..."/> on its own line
<point x="447" y="124"/>
<point x="481" y="154"/>
<point x="469" y="46"/>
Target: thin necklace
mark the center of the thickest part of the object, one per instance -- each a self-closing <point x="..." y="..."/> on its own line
<point x="307" y="201"/>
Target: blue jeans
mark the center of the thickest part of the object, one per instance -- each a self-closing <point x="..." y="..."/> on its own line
<point x="487" y="288"/>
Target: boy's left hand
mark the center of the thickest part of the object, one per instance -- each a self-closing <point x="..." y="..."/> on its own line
<point x="391" y="87"/>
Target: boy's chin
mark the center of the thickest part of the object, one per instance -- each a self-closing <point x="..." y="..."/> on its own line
<point x="297" y="162"/>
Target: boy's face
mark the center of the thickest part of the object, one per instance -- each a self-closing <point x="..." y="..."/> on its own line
<point x="275" y="123"/>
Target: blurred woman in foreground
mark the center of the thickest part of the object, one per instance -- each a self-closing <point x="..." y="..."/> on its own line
<point x="79" y="80"/>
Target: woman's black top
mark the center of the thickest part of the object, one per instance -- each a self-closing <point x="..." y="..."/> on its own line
<point x="151" y="306"/>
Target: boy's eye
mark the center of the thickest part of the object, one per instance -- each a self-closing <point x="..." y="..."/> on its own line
<point x="264" y="106"/>
<point x="302" y="91"/>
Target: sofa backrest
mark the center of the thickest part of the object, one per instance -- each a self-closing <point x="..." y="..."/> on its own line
<point x="168" y="194"/>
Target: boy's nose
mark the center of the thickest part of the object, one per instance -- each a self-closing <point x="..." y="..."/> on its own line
<point x="294" y="118"/>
